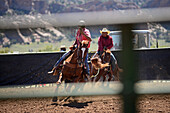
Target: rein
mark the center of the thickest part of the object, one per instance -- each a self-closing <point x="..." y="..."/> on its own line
<point x="104" y="57"/>
<point x="96" y="74"/>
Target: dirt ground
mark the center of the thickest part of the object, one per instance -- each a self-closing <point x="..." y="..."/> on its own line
<point x="90" y="104"/>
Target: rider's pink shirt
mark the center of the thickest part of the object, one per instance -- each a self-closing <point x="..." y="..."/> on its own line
<point x="82" y="37"/>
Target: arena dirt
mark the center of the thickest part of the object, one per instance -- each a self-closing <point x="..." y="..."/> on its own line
<point x="90" y="104"/>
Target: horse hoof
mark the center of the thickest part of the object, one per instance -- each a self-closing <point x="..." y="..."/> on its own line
<point x="58" y="82"/>
<point x="55" y="99"/>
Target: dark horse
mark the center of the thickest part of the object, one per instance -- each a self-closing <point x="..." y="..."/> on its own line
<point x="73" y="68"/>
<point x="101" y="67"/>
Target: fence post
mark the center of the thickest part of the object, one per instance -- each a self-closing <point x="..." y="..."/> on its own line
<point x="129" y="67"/>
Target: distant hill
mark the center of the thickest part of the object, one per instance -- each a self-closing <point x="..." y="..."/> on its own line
<point x="52" y="35"/>
<point x="11" y="7"/>
<point x="156" y="4"/>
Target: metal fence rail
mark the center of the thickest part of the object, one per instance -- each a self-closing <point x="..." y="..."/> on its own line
<point x="97" y="18"/>
<point x="81" y="89"/>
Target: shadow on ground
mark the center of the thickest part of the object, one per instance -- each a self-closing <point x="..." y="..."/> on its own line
<point x="74" y="104"/>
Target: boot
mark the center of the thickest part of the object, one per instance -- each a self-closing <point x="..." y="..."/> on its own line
<point x="52" y="71"/>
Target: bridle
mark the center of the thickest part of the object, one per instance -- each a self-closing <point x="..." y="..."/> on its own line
<point x="81" y="47"/>
<point x="105" y="57"/>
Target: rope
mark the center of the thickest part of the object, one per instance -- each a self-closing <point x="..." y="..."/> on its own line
<point x="96" y="74"/>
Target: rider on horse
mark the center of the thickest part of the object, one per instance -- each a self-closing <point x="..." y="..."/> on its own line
<point x="105" y="42"/>
<point x="82" y="34"/>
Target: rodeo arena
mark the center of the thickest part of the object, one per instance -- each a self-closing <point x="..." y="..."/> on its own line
<point x="30" y="82"/>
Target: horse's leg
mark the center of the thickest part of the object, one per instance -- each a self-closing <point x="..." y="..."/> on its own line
<point x="65" y="99"/>
<point x="55" y="72"/>
<point x="82" y="80"/>
<point x="110" y="76"/>
<point x="59" y="80"/>
<point x="77" y="79"/>
<point x="104" y="77"/>
<point x="118" y="72"/>
<point x="97" y="78"/>
<point x="82" y="77"/>
<point x="92" y="79"/>
<point x="117" y="75"/>
<point x="91" y="74"/>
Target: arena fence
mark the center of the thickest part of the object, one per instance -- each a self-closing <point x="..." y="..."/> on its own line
<point x="32" y="68"/>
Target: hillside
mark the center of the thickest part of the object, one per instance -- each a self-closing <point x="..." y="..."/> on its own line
<point x="19" y="7"/>
<point x="55" y="35"/>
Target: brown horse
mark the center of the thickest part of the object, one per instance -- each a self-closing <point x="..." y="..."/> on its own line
<point x="74" y="67"/>
<point x="101" y="67"/>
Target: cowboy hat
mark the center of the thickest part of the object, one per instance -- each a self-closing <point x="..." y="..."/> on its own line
<point x="105" y="30"/>
<point x="62" y="46"/>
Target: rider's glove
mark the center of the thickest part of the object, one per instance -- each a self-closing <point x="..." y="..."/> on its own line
<point x="105" y="48"/>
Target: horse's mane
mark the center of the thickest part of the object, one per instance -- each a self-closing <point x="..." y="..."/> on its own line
<point x="70" y="57"/>
<point x="85" y="42"/>
<point x="96" y="62"/>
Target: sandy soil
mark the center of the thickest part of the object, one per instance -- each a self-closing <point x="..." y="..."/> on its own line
<point x="90" y="104"/>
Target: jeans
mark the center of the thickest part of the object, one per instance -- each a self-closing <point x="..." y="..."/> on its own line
<point x="62" y="58"/>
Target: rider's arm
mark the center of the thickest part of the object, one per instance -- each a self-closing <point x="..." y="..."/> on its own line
<point x="110" y="45"/>
<point x="86" y="35"/>
<point x="75" y="43"/>
<point x="100" y="47"/>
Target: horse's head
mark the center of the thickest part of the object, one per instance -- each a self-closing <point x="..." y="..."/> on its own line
<point x="106" y="56"/>
<point x="82" y="52"/>
<point x="97" y="64"/>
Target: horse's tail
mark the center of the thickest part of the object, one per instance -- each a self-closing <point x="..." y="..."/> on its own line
<point x="96" y="62"/>
<point x="116" y="72"/>
<point x="118" y="68"/>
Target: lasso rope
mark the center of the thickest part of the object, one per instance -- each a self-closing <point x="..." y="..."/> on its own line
<point x="96" y="74"/>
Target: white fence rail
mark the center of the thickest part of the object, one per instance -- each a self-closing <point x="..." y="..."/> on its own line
<point x="91" y="18"/>
<point x="81" y="89"/>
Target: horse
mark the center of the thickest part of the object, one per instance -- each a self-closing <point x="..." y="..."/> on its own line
<point x="73" y="68"/>
<point x="106" y="56"/>
<point x="101" y="67"/>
